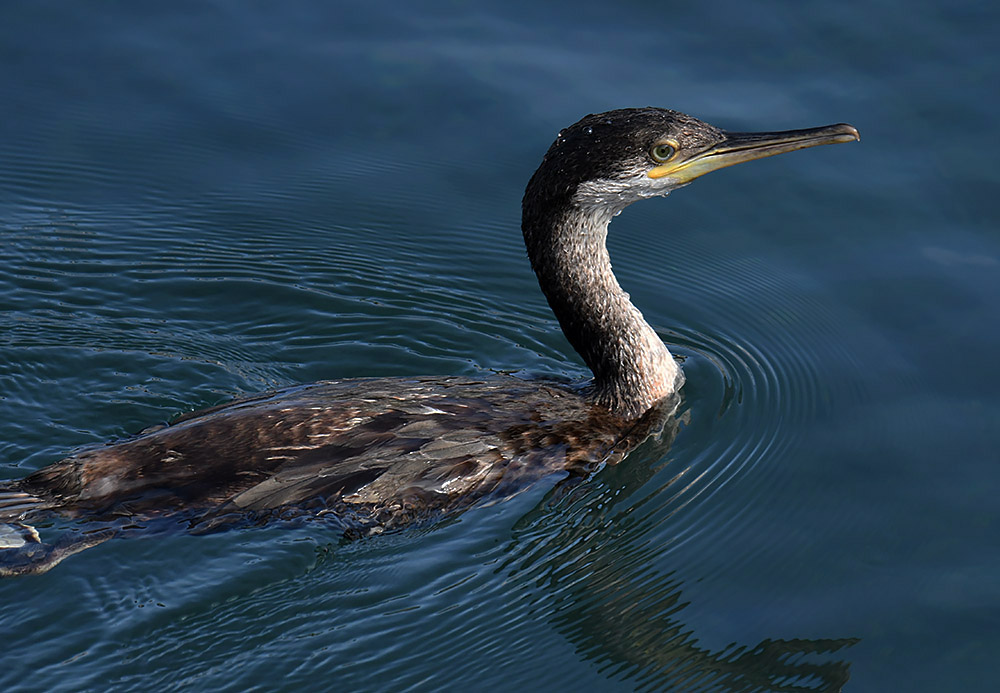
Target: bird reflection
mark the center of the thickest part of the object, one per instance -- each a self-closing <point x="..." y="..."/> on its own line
<point x="629" y="620"/>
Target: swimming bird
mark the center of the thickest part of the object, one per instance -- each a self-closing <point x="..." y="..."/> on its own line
<point x="375" y="454"/>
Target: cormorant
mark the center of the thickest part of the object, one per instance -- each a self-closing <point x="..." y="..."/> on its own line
<point x="378" y="453"/>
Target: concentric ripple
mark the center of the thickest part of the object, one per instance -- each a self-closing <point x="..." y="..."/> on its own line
<point x="765" y="361"/>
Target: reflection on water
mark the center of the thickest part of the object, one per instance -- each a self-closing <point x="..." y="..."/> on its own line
<point x="585" y="553"/>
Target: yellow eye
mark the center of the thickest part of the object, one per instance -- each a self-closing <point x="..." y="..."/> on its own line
<point x="663" y="152"/>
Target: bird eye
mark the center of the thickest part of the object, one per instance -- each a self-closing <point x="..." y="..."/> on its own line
<point x="662" y="152"/>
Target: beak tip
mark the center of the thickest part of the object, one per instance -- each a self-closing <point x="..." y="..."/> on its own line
<point x="851" y="132"/>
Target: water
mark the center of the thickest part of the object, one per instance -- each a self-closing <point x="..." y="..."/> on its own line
<point x="201" y="200"/>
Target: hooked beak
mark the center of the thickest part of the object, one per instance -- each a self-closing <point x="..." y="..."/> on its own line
<point x="747" y="146"/>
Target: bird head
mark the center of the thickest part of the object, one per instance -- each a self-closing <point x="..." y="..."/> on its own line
<point x="607" y="161"/>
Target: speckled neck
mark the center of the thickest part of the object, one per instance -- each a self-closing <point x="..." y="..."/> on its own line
<point x="633" y="370"/>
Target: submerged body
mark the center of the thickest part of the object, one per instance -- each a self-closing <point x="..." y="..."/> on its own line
<point x="376" y="454"/>
<point x="368" y="454"/>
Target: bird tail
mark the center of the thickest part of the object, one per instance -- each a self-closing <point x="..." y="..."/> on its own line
<point x="16" y="504"/>
<point x="22" y="551"/>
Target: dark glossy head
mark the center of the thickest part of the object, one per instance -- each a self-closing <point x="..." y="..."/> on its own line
<point x="613" y="159"/>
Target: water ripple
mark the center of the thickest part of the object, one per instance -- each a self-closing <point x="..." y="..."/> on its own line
<point x="598" y="559"/>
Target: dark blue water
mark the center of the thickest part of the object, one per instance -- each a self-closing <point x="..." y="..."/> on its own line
<point x="203" y="200"/>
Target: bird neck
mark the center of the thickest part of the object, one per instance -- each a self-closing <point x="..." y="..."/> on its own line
<point x="567" y="245"/>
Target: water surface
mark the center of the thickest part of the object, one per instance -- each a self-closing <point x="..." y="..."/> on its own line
<point x="204" y="200"/>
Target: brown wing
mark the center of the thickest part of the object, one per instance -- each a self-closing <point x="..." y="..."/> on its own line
<point x="385" y="449"/>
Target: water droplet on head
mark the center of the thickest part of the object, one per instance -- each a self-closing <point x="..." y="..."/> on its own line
<point x="588" y="130"/>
